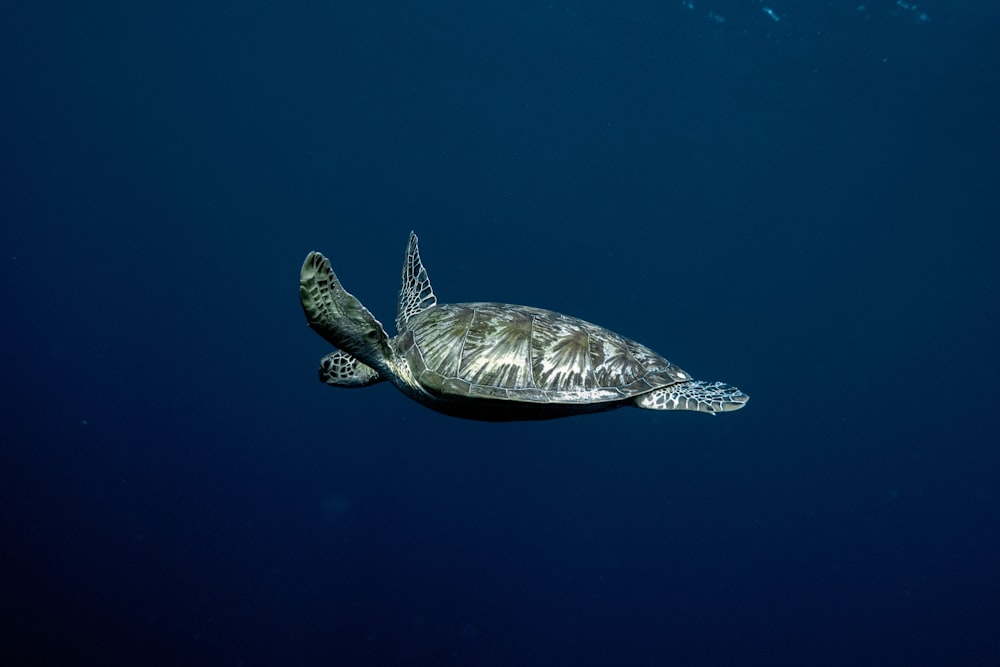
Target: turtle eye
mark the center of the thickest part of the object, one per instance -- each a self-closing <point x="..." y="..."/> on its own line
<point x="372" y="335"/>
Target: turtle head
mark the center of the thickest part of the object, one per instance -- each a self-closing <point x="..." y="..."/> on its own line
<point x="337" y="316"/>
<point x="340" y="369"/>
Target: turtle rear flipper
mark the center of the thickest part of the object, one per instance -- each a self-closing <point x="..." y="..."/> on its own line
<point x="709" y="397"/>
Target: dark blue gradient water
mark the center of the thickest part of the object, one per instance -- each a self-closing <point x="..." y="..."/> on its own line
<point x="801" y="201"/>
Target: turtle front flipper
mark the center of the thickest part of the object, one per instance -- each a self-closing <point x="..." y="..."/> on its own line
<point x="337" y="316"/>
<point x="415" y="292"/>
<point x="340" y="369"/>
<point x="710" y="397"/>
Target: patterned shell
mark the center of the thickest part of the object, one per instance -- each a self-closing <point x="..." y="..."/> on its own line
<point x="518" y="353"/>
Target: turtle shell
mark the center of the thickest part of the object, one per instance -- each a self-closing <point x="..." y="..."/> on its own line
<point x="518" y="353"/>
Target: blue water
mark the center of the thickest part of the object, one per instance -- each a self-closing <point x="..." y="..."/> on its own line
<point x="804" y="207"/>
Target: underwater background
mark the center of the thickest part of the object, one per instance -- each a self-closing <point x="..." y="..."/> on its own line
<point x="798" y="198"/>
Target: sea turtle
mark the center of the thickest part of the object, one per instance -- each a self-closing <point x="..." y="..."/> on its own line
<point x="492" y="361"/>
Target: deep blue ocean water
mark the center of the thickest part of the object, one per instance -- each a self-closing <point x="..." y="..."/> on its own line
<point x="799" y="198"/>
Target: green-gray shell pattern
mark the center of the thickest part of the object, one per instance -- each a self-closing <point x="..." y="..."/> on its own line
<point x="494" y="350"/>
